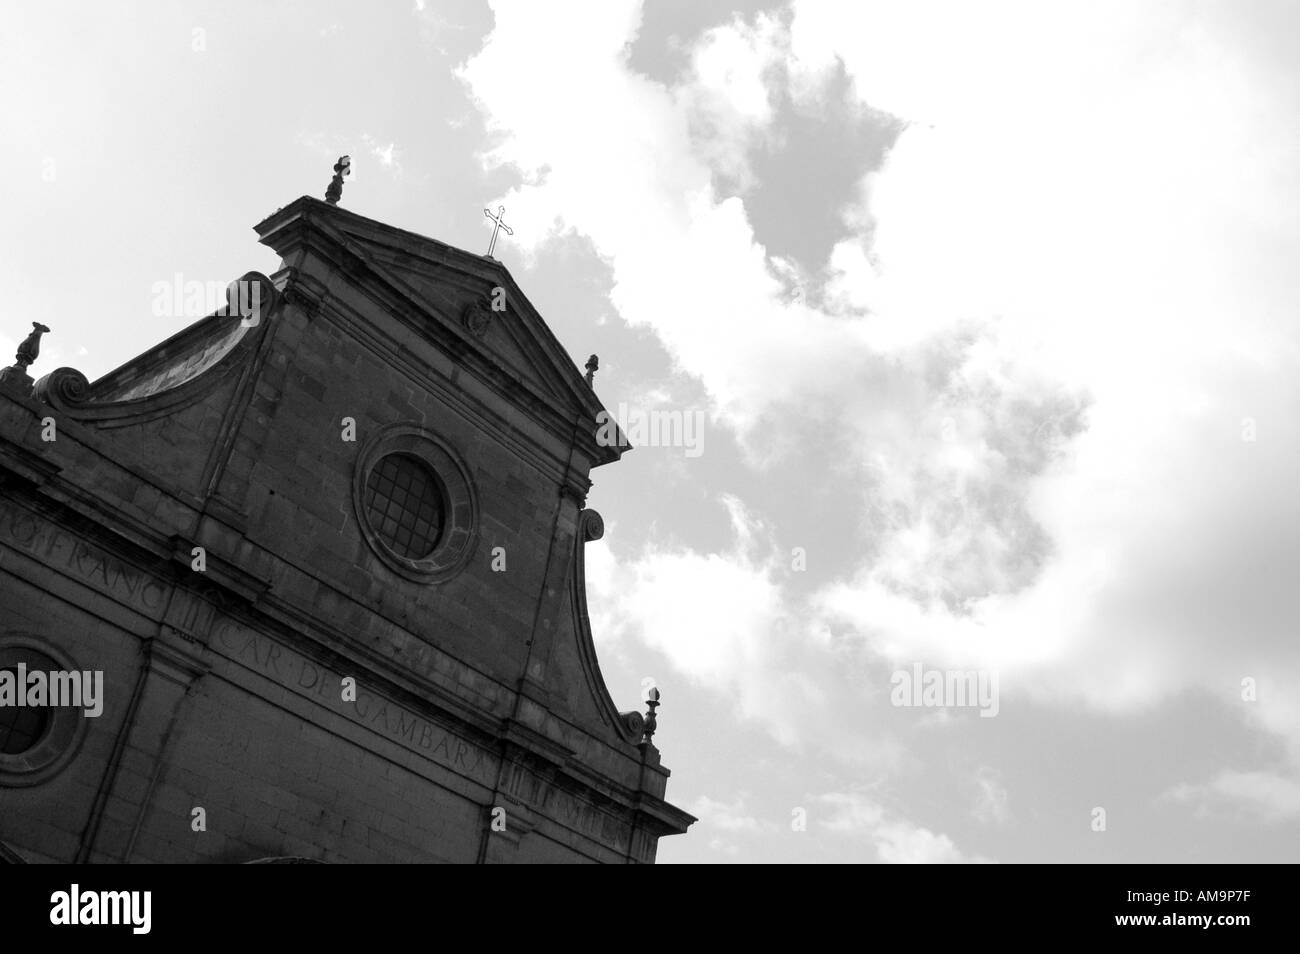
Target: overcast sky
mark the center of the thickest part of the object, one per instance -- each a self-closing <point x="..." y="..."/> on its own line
<point x="991" y="312"/>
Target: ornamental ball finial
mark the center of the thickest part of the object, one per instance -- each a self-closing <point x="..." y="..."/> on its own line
<point x="651" y="723"/>
<point x="335" y="190"/>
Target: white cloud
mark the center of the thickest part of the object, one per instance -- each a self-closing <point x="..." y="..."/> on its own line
<point x="719" y="618"/>
<point x="1115" y="210"/>
<point x="724" y="847"/>
<point x="720" y="315"/>
<point x="727" y="99"/>
<point x="896" y="840"/>
<point x="1256" y="796"/>
<point x="386" y="156"/>
<point x="991" y="803"/>
<point x="1077" y="285"/>
<point x="733" y="816"/>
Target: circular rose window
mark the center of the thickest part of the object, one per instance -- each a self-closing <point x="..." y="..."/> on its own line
<point x="415" y="503"/>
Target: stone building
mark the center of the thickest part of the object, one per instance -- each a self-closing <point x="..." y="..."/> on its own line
<point x="326" y="547"/>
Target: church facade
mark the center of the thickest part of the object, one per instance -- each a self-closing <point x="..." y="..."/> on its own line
<point x="323" y="550"/>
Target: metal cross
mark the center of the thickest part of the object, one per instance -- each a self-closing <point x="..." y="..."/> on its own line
<point x="499" y="219"/>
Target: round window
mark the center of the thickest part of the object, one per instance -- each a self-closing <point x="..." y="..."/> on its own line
<point x="404" y="501"/>
<point x="415" y="503"/>
<point x="36" y="742"/>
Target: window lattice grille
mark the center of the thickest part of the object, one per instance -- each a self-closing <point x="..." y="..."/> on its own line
<point x="405" y="505"/>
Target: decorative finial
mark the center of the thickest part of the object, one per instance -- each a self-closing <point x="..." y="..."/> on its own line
<point x="15" y="379"/>
<point x="593" y="363"/>
<point x="341" y="169"/>
<point x="31" y="346"/>
<point x="500" y="220"/>
<point x="651" y="700"/>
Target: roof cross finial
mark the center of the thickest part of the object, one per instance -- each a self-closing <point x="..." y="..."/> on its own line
<point x="341" y="169"/>
<point x="500" y="220"/>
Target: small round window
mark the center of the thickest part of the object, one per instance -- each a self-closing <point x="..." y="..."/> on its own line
<point x="36" y="742"/>
<point x="415" y="503"/>
<point x="404" y="501"/>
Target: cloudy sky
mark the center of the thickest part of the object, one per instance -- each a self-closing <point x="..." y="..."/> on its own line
<point x="990" y="312"/>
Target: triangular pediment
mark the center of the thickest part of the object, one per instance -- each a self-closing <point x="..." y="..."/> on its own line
<point x="465" y="300"/>
<point x="453" y="291"/>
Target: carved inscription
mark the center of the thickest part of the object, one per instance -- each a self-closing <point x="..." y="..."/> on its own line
<point x="566" y="808"/>
<point x="43" y="540"/>
<point x="312" y="680"/>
